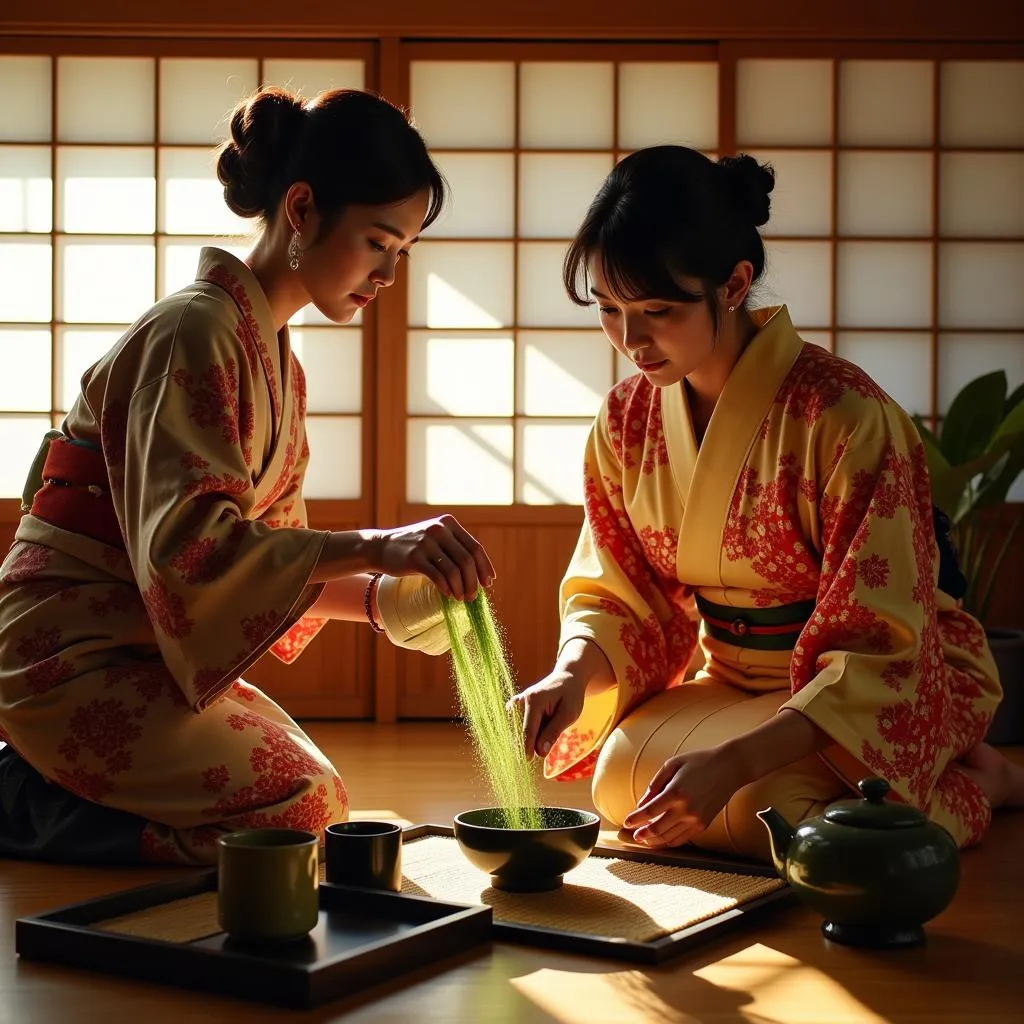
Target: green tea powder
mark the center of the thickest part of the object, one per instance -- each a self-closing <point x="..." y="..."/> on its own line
<point x="484" y="683"/>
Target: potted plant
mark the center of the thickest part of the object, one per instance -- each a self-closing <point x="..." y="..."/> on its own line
<point x="973" y="462"/>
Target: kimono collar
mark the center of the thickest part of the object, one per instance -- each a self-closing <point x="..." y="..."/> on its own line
<point x="221" y="268"/>
<point x="773" y="322"/>
<point x="264" y="345"/>
<point x="706" y="478"/>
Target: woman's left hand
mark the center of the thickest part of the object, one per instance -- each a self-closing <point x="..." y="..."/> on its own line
<point x="684" y="797"/>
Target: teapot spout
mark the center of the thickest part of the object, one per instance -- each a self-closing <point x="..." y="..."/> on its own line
<point x="780" y="833"/>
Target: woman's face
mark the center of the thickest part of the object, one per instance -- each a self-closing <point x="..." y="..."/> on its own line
<point x="344" y="271"/>
<point x="665" y="340"/>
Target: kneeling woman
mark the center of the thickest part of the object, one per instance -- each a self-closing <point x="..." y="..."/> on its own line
<point x="166" y="547"/>
<point x="754" y="492"/>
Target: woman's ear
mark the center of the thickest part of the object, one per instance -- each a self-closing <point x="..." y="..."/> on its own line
<point x="734" y="292"/>
<point x="299" y="207"/>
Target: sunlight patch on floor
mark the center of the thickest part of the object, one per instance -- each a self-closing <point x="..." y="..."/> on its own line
<point x="616" y="997"/>
<point x="779" y="989"/>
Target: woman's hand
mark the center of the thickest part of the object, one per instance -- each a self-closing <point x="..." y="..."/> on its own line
<point x="684" y="797"/>
<point x="440" y="549"/>
<point x="549" y="707"/>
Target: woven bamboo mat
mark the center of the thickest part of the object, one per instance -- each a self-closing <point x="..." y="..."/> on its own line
<point x="604" y="896"/>
<point x="187" y="920"/>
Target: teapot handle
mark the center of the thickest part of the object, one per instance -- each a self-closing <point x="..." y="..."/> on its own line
<point x="873" y="789"/>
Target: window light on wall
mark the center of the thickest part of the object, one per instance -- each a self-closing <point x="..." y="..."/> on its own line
<point x="896" y="239"/>
<point x="107" y="194"/>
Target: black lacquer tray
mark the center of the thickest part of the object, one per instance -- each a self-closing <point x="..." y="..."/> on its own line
<point x="363" y="937"/>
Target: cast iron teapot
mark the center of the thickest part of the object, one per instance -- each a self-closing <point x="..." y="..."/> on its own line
<point x="874" y="869"/>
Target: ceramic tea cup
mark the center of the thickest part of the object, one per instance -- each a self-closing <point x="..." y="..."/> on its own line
<point x="268" y="885"/>
<point x="367" y="853"/>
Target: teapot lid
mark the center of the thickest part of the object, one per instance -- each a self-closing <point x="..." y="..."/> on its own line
<point x="874" y="811"/>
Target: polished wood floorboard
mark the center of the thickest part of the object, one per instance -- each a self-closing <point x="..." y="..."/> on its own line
<point x="779" y="972"/>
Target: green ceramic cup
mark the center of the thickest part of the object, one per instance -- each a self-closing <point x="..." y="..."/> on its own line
<point x="268" y="885"/>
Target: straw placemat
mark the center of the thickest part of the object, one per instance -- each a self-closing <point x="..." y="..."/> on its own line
<point x="604" y="896"/>
<point x="185" y="920"/>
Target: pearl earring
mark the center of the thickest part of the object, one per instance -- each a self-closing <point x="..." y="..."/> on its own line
<point x="294" y="252"/>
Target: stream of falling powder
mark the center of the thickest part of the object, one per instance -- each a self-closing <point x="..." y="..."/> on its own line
<point x="485" y="684"/>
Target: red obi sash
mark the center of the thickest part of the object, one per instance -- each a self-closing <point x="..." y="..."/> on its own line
<point x="75" y="495"/>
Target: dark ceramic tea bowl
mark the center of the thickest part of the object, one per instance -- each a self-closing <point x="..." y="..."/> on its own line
<point x="527" y="859"/>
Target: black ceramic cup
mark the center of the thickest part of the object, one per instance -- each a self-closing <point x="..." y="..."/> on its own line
<point x="367" y="853"/>
<point x="267" y="885"/>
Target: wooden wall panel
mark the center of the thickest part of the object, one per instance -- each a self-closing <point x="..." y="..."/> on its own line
<point x="1007" y="610"/>
<point x="530" y="562"/>
<point x="334" y="675"/>
<point x="332" y="679"/>
<point x="524" y="19"/>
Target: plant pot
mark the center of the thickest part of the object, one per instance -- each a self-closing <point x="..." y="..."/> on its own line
<point x="1007" y="728"/>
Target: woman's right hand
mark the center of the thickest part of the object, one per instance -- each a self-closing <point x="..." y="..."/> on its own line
<point x="440" y="549"/>
<point x="548" y="708"/>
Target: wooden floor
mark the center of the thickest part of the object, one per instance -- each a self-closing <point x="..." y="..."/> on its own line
<point x="783" y="972"/>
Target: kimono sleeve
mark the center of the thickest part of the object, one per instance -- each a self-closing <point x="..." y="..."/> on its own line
<point x="219" y="585"/>
<point x="612" y="596"/>
<point x="289" y="511"/>
<point x="887" y="665"/>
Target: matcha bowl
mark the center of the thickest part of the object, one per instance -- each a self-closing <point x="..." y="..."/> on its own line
<point x="527" y="859"/>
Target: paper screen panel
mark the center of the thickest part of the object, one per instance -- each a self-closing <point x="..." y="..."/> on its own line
<point x="25" y="382"/>
<point x="27" y="273"/>
<point x="464" y="374"/>
<point x="550" y="455"/>
<point x="886" y="103"/>
<point x="106" y="189"/>
<point x="26" y="189"/>
<point x="459" y="462"/>
<point x="197" y="95"/>
<point x="566" y="105"/>
<point x="461" y="284"/>
<point x="784" y="102"/>
<point x="30" y="118"/>
<point x="105" y="99"/>
<point x="668" y="102"/>
<point x="465" y="104"/>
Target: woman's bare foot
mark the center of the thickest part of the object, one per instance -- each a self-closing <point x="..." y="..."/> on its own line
<point x="1001" y="779"/>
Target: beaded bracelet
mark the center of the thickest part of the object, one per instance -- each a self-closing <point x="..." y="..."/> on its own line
<point x="371" y="588"/>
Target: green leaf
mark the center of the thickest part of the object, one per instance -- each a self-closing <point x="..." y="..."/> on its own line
<point x="1013" y="421"/>
<point x="1013" y="401"/>
<point x="948" y="488"/>
<point x="924" y="430"/>
<point x="998" y="480"/>
<point x="973" y="418"/>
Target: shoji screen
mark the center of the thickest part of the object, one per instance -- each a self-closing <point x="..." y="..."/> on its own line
<point x="107" y="193"/>
<point x="897" y="236"/>
<point x="505" y="374"/>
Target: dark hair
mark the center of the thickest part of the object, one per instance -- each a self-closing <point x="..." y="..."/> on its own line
<point x="349" y="146"/>
<point x="669" y="212"/>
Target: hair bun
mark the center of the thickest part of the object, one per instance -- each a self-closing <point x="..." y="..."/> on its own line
<point x="751" y="184"/>
<point x="264" y="130"/>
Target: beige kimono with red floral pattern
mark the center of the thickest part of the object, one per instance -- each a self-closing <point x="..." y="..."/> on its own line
<point x="812" y="484"/>
<point x="120" y="666"/>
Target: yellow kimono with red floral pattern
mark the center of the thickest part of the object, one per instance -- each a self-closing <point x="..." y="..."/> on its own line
<point x="120" y="663"/>
<point x="810" y="484"/>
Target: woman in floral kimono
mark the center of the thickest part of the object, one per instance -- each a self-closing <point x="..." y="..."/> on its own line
<point x="752" y="494"/>
<point x="165" y="547"/>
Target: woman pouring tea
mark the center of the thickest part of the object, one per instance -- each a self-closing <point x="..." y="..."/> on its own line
<point x="165" y="546"/>
<point x="753" y="494"/>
